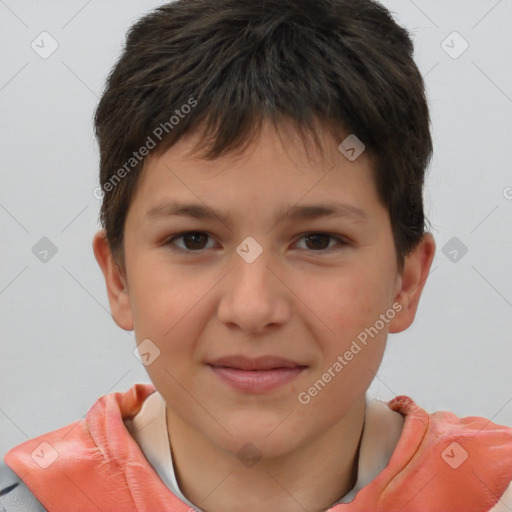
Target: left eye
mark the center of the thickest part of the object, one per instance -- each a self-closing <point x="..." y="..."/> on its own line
<point x="194" y="241"/>
<point x="320" y="241"/>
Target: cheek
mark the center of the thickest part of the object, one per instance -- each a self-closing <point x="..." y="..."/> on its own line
<point x="352" y="353"/>
<point x="163" y="305"/>
<point x="348" y="301"/>
<point x="160" y="295"/>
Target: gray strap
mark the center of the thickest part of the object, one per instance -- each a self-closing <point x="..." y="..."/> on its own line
<point x="15" y="496"/>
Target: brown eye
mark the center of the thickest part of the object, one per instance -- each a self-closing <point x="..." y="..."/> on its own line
<point x="321" y="242"/>
<point x="317" y="241"/>
<point x="193" y="241"/>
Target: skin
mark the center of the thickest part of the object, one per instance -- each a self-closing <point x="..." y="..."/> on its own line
<point x="302" y="299"/>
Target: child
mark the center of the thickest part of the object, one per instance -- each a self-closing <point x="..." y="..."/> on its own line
<point x="258" y="128"/>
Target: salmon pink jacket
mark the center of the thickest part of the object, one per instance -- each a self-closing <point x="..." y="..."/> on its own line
<point x="441" y="463"/>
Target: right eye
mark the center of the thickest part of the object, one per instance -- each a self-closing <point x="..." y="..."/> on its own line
<point x="193" y="241"/>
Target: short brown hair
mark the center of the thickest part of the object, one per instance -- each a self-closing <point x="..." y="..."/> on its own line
<point x="241" y="62"/>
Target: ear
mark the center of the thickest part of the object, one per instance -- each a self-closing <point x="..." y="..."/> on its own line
<point x="116" y="282"/>
<point x="411" y="282"/>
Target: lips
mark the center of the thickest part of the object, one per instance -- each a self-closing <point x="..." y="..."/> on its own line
<point x="261" y="363"/>
<point x="256" y="375"/>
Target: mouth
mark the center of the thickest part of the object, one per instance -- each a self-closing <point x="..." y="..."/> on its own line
<point x="256" y="375"/>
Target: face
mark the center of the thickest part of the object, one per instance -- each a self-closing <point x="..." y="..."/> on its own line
<point x="268" y="319"/>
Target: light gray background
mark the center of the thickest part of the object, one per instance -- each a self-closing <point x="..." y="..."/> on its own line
<point x="60" y="350"/>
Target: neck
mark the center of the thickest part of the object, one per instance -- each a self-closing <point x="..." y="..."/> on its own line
<point x="311" y="477"/>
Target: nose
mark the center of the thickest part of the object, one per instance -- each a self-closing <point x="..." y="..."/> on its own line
<point x="254" y="298"/>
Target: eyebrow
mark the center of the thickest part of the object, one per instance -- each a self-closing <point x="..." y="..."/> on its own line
<point x="306" y="212"/>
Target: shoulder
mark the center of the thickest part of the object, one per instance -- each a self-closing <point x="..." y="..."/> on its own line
<point x="86" y="451"/>
<point x="15" y="496"/>
<point x="461" y="460"/>
<point x="443" y="426"/>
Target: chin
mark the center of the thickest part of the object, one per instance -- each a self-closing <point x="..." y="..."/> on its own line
<point x="270" y="436"/>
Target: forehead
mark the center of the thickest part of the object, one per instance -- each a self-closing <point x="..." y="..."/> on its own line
<point x="278" y="166"/>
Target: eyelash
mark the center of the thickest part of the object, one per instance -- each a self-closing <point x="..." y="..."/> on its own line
<point x="342" y="242"/>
